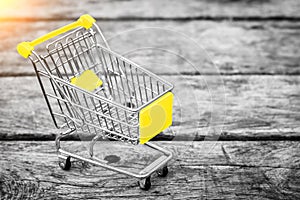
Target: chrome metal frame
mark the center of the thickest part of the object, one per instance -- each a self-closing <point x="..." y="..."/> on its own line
<point x="144" y="173"/>
<point x="112" y="111"/>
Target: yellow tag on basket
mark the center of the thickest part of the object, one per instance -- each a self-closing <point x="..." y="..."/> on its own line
<point x="156" y="117"/>
<point x="88" y="80"/>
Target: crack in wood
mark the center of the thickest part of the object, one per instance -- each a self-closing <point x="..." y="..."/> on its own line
<point x="227" y="156"/>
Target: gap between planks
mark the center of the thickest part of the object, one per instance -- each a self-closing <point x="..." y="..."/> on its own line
<point x="232" y="48"/>
<point x="177" y="19"/>
<point x="246" y="108"/>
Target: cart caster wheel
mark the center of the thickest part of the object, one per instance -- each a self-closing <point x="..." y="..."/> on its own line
<point x="65" y="164"/>
<point x="162" y="172"/>
<point x="145" y="184"/>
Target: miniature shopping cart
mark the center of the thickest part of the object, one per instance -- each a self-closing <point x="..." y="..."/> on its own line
<point x="91" y="89"/>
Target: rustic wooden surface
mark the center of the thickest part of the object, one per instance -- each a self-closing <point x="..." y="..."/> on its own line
<point x="255" y="108"/>
<point x="206" y="170"/>
<point x="236" y="47"/>
<point x="253" y="87"/>
<point x="155" y="9"/>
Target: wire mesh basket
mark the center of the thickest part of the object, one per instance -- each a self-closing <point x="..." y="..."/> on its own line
<point x="99" y="92"/>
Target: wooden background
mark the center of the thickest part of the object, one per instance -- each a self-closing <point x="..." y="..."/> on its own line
<point x="254" y="44"/>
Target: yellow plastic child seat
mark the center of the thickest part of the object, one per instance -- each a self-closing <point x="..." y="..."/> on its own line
<point x="88" y="80"/>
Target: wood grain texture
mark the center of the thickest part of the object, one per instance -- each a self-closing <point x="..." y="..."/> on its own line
<point x="170" y="48"/>
<point x="248" y="40"/>
<point x="200" y="170"/>
<point x="232" y="107"/>
<point x="155" y="9"/>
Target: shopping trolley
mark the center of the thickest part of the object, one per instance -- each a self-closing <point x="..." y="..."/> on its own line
<point x="95" y="90"/>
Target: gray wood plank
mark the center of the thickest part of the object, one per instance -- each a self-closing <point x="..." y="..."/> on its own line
<point x="244" y="108"/>
<point x="200" y="170"/>
<point x="234" y="47"/>
<point x="155" y="9"/>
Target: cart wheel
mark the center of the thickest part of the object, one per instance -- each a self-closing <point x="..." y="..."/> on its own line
<point x="162" y="172"/>
<point x="65" y="164"/>
<point x="145" y="184"/>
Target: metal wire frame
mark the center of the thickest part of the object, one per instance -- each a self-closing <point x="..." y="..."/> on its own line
<point x="111" y="109"/>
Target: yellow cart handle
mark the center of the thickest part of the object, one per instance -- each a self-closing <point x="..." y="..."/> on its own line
<point x="25" y="48"/>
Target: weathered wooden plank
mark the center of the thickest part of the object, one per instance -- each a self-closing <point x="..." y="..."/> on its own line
<point x="256" y="108"/>
<point x="158" y="9"/>
<point x="235" y="48"/>
<point x="200" y="170"/>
